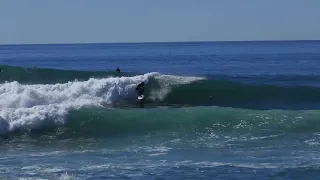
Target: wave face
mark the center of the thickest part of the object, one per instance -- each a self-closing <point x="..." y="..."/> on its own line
<point x="194" y="119"/>
<point x="34" y="106"/>
<point x="228" y="93"/>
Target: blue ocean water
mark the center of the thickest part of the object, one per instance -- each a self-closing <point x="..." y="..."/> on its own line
<point x="213" y="110"/>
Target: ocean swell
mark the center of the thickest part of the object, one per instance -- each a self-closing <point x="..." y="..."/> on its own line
<point x="28" y="107"/>
<point x="214" y="122"/>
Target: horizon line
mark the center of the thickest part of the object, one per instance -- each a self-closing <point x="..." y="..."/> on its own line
<point x="155" y="42"/>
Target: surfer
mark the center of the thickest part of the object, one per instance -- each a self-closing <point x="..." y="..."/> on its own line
<point x="140" y="91"/>
<point x="118" y="70"/>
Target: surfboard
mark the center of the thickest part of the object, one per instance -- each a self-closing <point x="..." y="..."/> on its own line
<point x="140" y="97"/>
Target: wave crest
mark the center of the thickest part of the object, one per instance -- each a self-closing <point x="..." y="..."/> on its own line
<point x="32" y="106"/>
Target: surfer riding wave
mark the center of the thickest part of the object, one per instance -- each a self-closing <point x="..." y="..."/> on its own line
<point x="140" y="91"/>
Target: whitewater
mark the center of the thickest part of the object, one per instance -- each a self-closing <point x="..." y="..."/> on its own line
<point x="27" y="107"/>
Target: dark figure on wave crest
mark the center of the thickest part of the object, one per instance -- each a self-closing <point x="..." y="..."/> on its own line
<point x="140" y="92"/>
<point x="118" y="70"/>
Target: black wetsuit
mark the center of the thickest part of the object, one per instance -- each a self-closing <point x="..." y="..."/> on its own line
<point x="140" y="89"/>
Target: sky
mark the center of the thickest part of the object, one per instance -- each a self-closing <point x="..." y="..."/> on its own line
<point x="109" y="21"/>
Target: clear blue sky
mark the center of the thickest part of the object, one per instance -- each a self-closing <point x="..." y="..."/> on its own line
<point x="89" y="21"/>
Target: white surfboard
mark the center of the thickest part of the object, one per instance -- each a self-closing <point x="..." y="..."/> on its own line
<point x="140" y="97"/>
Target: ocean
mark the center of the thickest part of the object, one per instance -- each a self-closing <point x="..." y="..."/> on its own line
<point x="212" y="110"/>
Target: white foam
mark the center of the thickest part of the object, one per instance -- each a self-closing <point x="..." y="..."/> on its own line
<point x="160" y="149"/>
<point x="166" y="82"/>
<point x="312" y="142"/>
<point x="157" y="154"/>
<point x="67" y="177"/>
<point x="41" y="154"/>
<point x="26" y="107"/>
<point x="33" y="106"/>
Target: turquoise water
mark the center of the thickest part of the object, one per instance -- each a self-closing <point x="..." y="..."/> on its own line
<point x="236" y="110"/>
